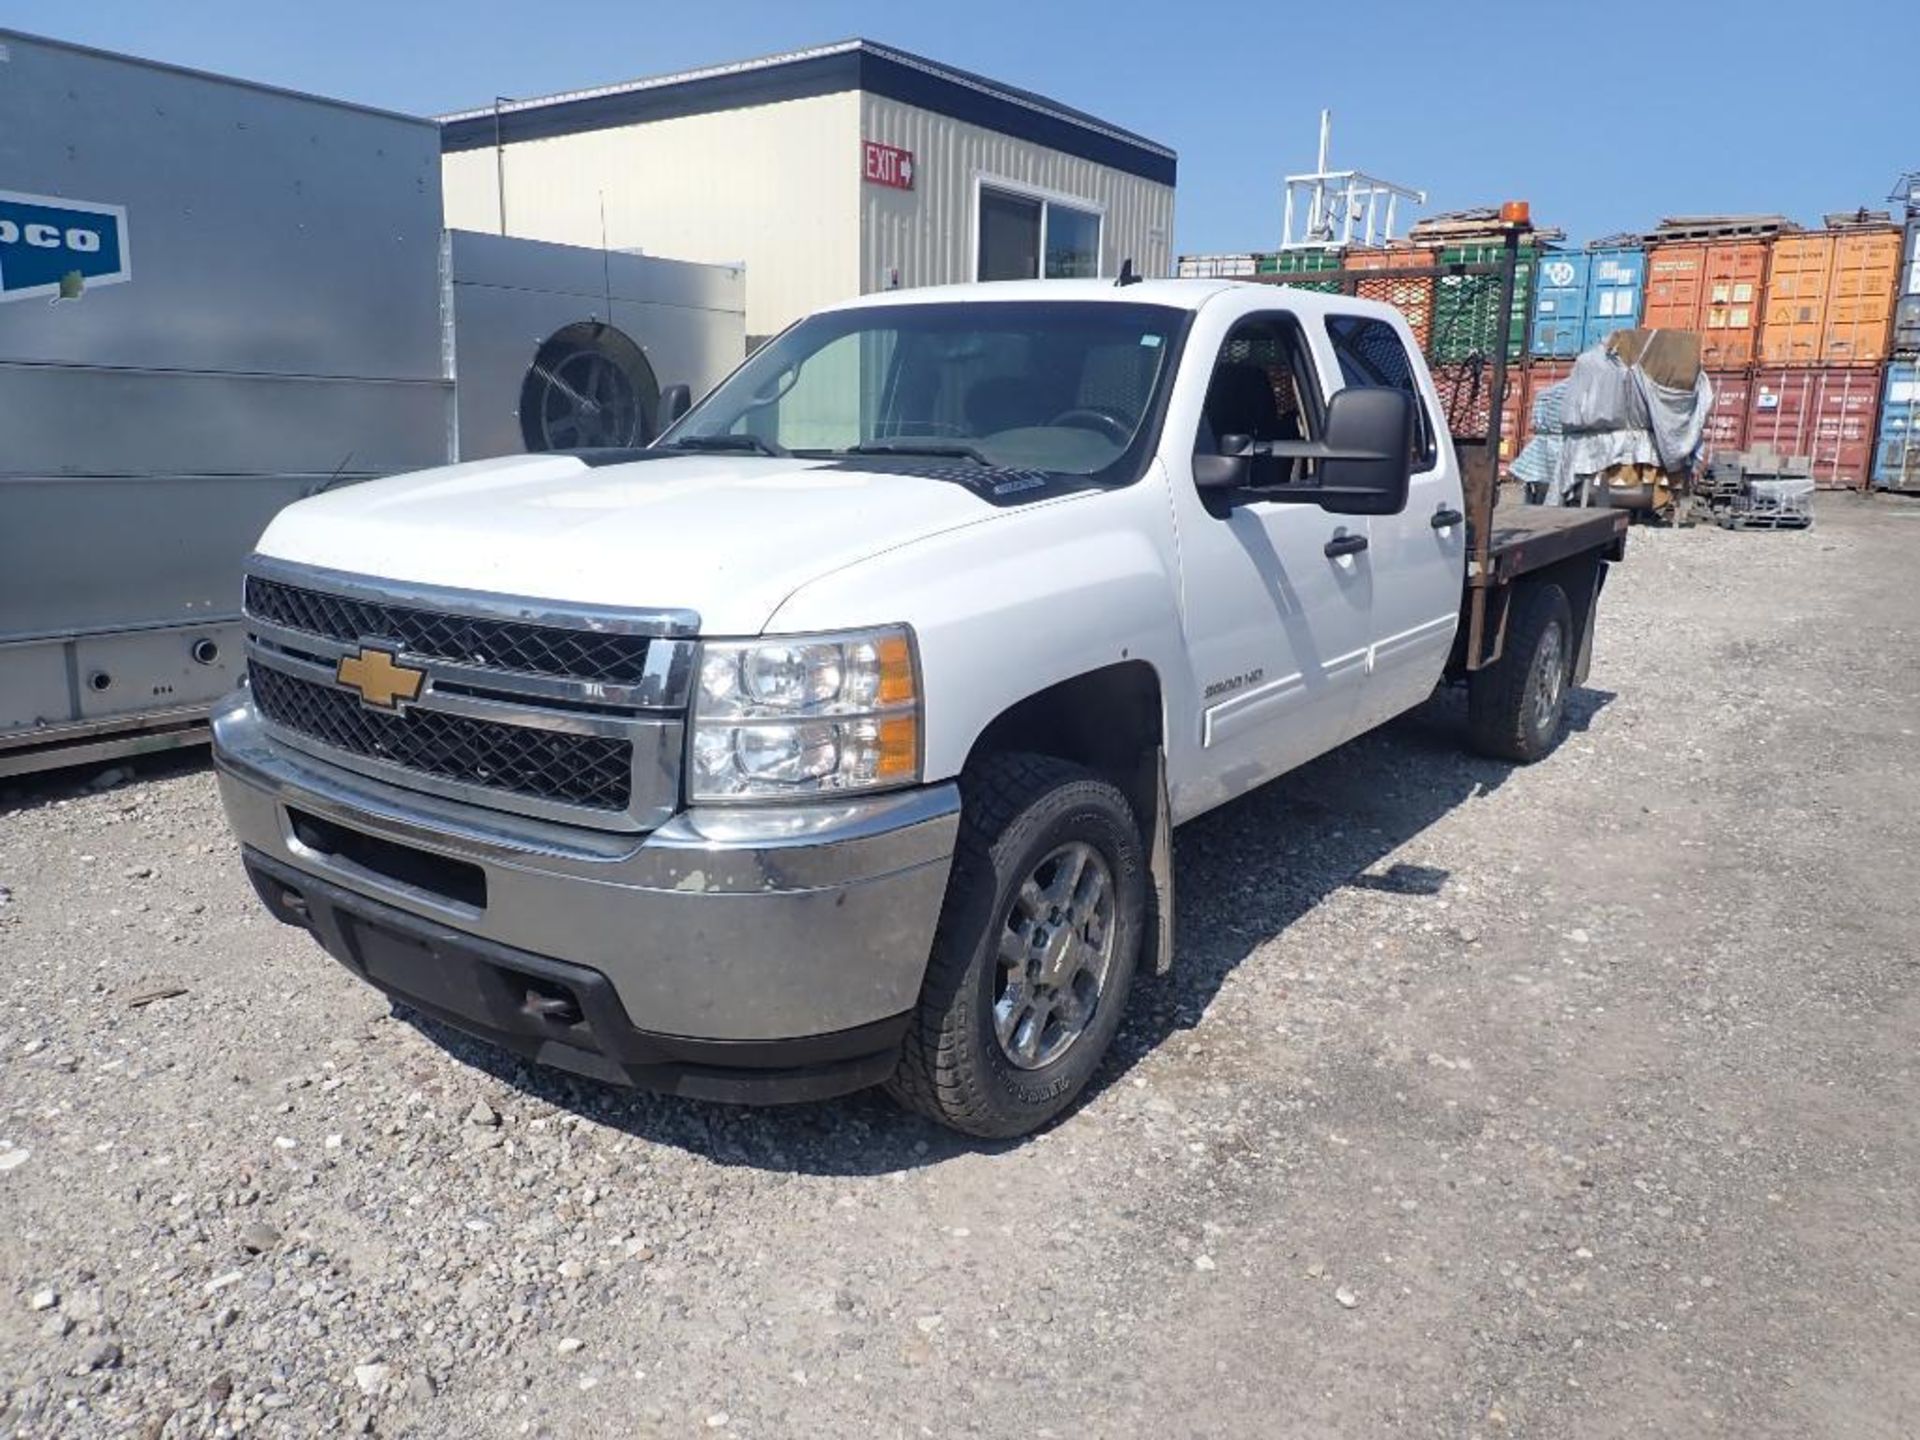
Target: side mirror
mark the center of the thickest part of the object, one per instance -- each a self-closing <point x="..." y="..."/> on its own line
<point x="1369" y="463"/>
<point x="675" y="401"/>
<point x="1362" y="467"/>
<point x="1228" y="468"/>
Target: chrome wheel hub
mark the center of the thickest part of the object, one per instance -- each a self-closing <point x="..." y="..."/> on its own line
<point x="1055" y="953"/>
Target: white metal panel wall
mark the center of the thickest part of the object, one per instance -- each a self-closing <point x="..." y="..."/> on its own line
<point x="776" y="186"/>
<point x="927" y="233"/>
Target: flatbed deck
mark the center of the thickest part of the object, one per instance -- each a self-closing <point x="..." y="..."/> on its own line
<point x="1524" y="538"/>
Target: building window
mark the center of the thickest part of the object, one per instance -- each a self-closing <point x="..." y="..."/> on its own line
<point x="1018" y="232"/>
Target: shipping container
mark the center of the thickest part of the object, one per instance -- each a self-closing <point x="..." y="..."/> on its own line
<point x="1560" y="305"/>
<point x="1465" y="319"/>
<point x="1412" y="297"/>
<point x="1726" y="428"/>
<point x="1674" y="287"/>
<point x="1906" y="326"/>
<point x="1825" y="413"/>
<point x="1910" y="263"/>
<point x="1303" y="262"/>
<point x="1866" y="267"/>
<point x="1795" y="304"/>
<point x="1896" y="459"/>
<point x="1730" y="324"/>
<point x="1713" y="289"/>
<point x="1616" y="286"/>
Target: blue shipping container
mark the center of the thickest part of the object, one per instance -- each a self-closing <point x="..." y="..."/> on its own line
<point x="1896" y="459"/>
<point x="1616" y="286"/>
<point x="1560" y="306"/>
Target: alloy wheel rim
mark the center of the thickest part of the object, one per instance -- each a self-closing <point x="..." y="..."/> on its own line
<point x="1055" y="956"/>
<point x="1553" y="677"/>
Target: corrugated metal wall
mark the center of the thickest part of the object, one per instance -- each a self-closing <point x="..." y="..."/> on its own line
<point x="926" y="234"/>
<point x="776" y="186"/>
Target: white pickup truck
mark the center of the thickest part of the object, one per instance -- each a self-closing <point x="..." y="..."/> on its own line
<point x="836" y="738"/>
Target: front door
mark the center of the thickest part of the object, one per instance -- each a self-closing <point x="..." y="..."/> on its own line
<point x="1278" y="596"/>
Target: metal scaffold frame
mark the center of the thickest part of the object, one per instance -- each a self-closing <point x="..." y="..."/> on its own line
<point x="1336" y="203"/>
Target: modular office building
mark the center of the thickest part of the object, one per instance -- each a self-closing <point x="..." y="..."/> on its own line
<point x="831" y="172"/>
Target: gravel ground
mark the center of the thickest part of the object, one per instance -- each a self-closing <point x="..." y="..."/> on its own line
<point x="1575" y="1100"/>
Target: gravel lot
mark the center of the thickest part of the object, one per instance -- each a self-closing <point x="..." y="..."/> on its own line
<point x="1577" y="1100"/>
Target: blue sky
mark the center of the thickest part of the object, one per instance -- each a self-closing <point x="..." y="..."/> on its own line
<point x="1605" y="115"/>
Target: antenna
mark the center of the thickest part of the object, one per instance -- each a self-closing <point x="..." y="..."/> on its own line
<point x="1340" y="202"/>
<point x="1127" y="277"/>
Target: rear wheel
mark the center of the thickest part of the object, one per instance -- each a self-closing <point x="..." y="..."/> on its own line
<point x="1035" y="951"/>
<point x="1517" y="708"/>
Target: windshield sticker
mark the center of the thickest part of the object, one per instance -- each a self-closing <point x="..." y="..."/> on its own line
<point x="1152" y="342"/>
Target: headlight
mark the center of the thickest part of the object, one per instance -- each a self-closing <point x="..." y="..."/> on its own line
<point x="806" y="715"/>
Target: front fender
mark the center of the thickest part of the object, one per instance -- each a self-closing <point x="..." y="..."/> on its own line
<point x="1005" y="609"/>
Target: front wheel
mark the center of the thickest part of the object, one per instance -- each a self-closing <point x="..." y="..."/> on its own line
<point x="1517" y="708"/>
<point x="1035" y="950"/>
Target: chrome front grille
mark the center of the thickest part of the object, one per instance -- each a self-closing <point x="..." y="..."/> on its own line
<point x="463" y="639"/>
<point x="574" y="715"/>
<point x="595" y="771"/>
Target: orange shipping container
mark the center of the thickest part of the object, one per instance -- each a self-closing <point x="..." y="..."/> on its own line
<point x="1412" y="298"/>
<point x="1712" y="289"/>
<point x="1673" y="287"/>
<point x="1796" y="300"/>
<point x="1732" y="277"/>
<point x="1866" y="268"/>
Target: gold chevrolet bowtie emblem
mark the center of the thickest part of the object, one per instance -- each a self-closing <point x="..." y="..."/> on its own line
<point x="381" y="683"/>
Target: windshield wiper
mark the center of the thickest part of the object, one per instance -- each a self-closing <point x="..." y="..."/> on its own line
<point x="741" y="443"/>
<point x="943" y="449"/>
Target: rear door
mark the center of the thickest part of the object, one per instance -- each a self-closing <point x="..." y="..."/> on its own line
<point x="1419" y="555"/>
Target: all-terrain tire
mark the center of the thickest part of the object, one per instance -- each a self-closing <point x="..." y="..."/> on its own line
<point x="1517" y="709"/>
<point x="1016" y="810"/>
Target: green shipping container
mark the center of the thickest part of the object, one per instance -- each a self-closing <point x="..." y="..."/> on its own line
<point x="1465" y="324"/>
<point x="1302" y="262"/>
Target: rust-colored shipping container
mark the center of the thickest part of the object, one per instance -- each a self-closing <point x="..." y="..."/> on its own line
<point x="1673" y="287"/>
<point x="1795" y="304"/>
<point x="1412" y="298"/>
<point x="1866" y="272"/>
<point x="1726" y="428"/>
<point x="1712" y="288"/>
<point x="1825" y="413"/>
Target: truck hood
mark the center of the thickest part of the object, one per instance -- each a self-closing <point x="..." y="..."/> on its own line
<point x="728" y="536"/>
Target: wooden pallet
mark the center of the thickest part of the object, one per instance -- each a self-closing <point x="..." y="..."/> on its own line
<point x="1757" y="228"/>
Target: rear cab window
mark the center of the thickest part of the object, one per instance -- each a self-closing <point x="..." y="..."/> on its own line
<point x="1371" y="354"/>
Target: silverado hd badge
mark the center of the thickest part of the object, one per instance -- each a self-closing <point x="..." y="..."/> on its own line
<point x="380" y="682"/>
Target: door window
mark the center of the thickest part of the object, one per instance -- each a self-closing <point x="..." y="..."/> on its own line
<point x="1263" y="387"/>
<point x="1370" y="354"/>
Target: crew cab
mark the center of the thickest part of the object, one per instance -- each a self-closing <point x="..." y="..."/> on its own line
<point x="836" y="737"/>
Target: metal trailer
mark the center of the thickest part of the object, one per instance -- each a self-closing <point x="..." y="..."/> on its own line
<point x="218" y="297"/>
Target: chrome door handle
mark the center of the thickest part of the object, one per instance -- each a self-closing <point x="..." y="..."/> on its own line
<point x="1344" y="544"/>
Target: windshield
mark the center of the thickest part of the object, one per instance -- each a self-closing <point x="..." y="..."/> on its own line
<point x="1070" y="387"/>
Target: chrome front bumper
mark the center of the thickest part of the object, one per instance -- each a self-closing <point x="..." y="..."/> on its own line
<point x="743" y="924"/>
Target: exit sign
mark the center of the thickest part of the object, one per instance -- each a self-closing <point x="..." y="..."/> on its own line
<point x="887" y="165"/>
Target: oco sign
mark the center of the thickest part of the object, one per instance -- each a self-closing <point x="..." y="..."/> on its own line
<point x="55" y="247"/>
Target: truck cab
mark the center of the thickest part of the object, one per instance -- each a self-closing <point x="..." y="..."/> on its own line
<point x="836" y="738"/>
